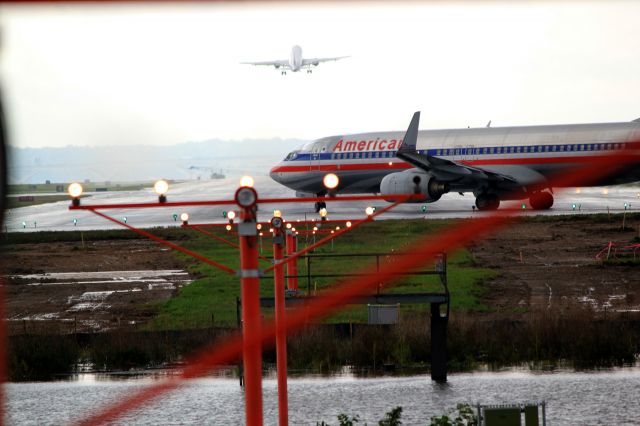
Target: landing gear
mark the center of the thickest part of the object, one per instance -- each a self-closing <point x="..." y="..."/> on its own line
<point x="320" y="205"/>
<point x="541" y="201"/>
<point x="309" y="71"/>
<point x="283" y="73"/>
<point x="487" y="202"/>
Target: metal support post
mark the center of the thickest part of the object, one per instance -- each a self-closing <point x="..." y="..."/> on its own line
<point x="438" y="344"/>
<point x="246" y="198"/>
<point x="292" y="267"/>
<point x="280" y="312"/>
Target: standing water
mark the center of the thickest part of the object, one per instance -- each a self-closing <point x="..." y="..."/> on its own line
<point x="609" y="397"/>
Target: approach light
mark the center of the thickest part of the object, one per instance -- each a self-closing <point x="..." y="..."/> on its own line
<point x="391" y="163"/>
<point x="524" y="206"/>
<point x="271" y="230"/>
<point x="184" y="217"/>
<point x="276" y="222"/>
<point x="626" y="206"/>
<point x="293" y="229"/>
<point x="277" y="213"/>
<point x="228" y="227"/>
<point x="224" y="214"/>
<point x="332" y="231"/>
<point x="246" y="181"/>
<point x="288" y="226"/>
<point x="259" y="226"/>
<point x="75" y="222"/>
<point x="331" y="181"/>
<point x="315" y="228"/>
<point x="24" y="224"/>
<point x="573" y="206"/>
<point x="231" y="215"/>
<point x="261" y="234"/>
<point x="605" y="191"/>
<point x="297" y="233"/>
<point x="578" y="190"/>
<point x="369" y="210"/>
<point x="75" y="190"/>
<point x="337" y="228"/>
<point x="323" y="212"/>
<point x="124" y="219"/>
<point x="348" y="224"/>
<point x="175" y="217"/>
<point x="246" y="197"/>
<point x="161" y="188"/>
<point x="424" y="209"/>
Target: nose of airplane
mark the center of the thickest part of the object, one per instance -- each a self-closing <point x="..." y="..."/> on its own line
<point x="274" y="174"/>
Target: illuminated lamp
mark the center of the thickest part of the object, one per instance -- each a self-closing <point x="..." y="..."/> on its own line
<point x="75" y="191"/>
<point x="161" y="188"/>
<point x="331" y="181"/>
<point x="246" y="181"/>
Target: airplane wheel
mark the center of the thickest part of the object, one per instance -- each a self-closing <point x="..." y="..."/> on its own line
<point x="541" y="201"/>
<point x="487" y="202"/>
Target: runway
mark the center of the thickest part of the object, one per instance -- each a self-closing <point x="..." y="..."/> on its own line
<point x="57" y="217"/>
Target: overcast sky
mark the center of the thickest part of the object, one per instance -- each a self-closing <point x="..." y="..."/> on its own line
<point x="164" y="74"/>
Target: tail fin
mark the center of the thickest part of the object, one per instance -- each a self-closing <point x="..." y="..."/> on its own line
<point x="411" y="136"/>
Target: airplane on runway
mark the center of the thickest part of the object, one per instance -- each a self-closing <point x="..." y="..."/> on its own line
<point x="295" y="62"/>
<point x="493" y="163"/>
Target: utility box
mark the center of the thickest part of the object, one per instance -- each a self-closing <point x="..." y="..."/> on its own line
<point x="512" y="414"/>
<point x="383" y="314"/>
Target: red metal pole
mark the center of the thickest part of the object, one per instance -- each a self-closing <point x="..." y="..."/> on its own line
<point x="251" y="321"/>
<point x="281" y="332"/>
<point x="292" y="267"/>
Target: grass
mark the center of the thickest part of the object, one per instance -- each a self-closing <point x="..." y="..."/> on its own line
<point x="61" y="187"/>
<point x="211" y="298"/>
<point x="14" y="202"/>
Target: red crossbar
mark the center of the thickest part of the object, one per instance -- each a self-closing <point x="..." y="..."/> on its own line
<point x="230" y="202"/>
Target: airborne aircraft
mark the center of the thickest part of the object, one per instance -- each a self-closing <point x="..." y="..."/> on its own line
<point x="295" y="62"/>
<point x="493" y="163"/>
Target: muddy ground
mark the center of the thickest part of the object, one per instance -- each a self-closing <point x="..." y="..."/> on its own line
<point x="540" y="265"/>
<point x="65" y="287"/>
<point x="553" y="265"/>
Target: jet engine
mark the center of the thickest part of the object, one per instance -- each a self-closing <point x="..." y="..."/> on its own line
<point x="413" y="181"/>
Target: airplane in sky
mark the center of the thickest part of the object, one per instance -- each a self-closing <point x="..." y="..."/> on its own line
<point x="295" y="62"/>
<point x="493" y="163"/>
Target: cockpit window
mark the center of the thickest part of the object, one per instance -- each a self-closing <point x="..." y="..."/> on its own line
<point x="292" y="156"/>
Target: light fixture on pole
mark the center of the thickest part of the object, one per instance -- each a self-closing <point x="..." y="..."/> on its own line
<point x="161" y="188"/>
<point x="75" y="191"/>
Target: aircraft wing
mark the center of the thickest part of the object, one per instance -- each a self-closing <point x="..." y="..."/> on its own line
<point x="278" y="64"/>
<point x="316" y="61"/>
<point x="444" y="169"/>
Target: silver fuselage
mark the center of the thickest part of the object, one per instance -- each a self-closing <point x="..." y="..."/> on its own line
<point x="362" y="160"/>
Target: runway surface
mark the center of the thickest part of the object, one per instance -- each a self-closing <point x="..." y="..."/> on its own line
<point x="57" y="216"/>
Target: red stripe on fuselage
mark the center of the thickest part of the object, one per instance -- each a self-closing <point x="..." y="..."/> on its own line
<point x="400" y="165"/>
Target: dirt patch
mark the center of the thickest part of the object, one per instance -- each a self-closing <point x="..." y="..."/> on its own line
<point x="541" y="265"/>
<point x="66" y="287"/>
<point x="552" y="265"/>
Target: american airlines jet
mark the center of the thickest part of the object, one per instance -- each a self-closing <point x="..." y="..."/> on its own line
<point x="295" y="62"/>
<point x="493" y="163"/>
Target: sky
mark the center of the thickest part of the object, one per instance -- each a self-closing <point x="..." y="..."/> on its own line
<point x="99" y="75"/>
